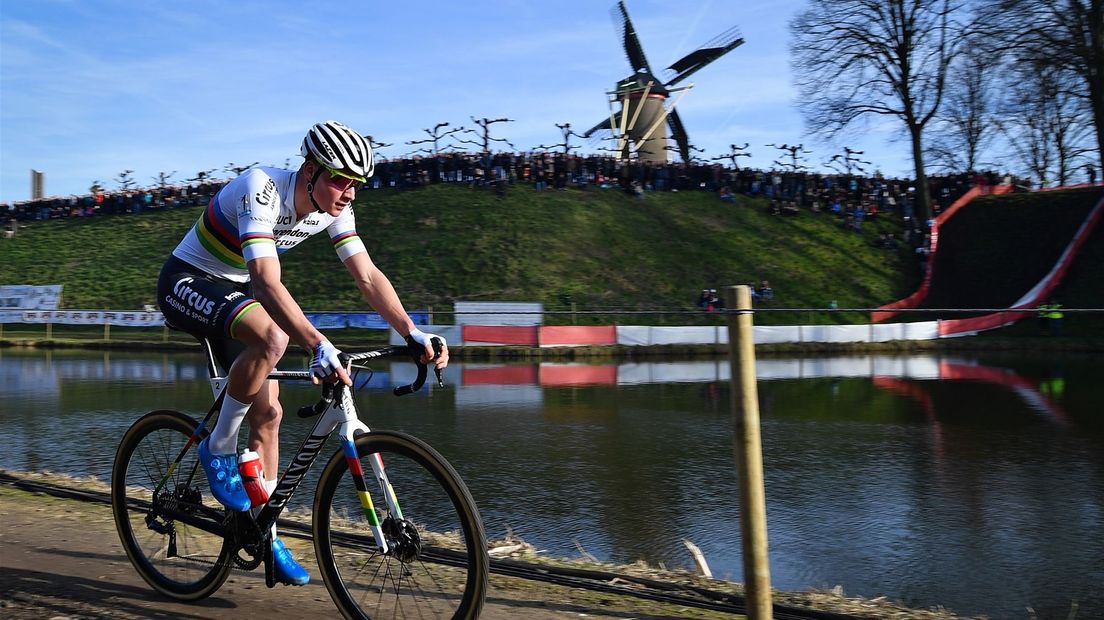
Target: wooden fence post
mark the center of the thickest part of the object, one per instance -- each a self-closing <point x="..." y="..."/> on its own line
<point x="749" y="453"/>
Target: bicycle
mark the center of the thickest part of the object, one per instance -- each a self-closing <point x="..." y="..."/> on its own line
<point x="425" y="559"/>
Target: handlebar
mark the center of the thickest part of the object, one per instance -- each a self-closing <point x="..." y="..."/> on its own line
<point x="329" y="390"/>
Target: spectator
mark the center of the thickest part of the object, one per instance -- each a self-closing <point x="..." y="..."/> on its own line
<point x="703" y="299"/>
<point x="715" y="302"/>
<point x="766" y="293"/>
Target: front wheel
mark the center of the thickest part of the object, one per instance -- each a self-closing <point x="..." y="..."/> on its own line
<point x="436" y="565"/>
<point x="164" y="512"/>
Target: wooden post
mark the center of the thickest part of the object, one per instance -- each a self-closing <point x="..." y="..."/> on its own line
<point x="749" y="453"/>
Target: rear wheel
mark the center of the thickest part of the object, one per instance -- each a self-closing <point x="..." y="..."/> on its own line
<point x="167" y="531"/>
<point x="437" y="564"/>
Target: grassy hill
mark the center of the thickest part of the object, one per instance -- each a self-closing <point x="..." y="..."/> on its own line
<point x="599" y="249"/>
<point x="998" y="247"/>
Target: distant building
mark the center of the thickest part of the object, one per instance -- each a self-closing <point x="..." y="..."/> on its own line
<point x="38" y="184"/>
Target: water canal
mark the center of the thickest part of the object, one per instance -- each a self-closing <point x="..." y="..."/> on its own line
<point x="975" y="482"/>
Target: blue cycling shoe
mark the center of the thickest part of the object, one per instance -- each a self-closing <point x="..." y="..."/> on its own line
<point x="287" y="570"/>
<point x="223" y="477"/>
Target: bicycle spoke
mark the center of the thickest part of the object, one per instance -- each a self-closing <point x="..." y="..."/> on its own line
<point x="408" y="581"/>
<point x="177" y="558"/>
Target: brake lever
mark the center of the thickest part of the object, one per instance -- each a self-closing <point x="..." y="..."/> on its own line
<point x="416" y="353"/>
<point x="437" y="346"/>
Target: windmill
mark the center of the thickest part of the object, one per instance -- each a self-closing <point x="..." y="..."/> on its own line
<point x="639" y="124"/>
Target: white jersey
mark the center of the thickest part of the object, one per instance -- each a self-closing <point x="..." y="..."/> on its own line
<point x="254" y="216"/>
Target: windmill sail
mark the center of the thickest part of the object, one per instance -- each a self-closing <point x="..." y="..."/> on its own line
<point x="641" y="124"/>
<point x="678" y="132"/>
<point x="695" y="60"/>
<point x="633" y="50"/>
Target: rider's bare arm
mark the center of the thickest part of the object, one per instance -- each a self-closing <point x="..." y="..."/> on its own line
<point x="264" y="274"/>
<point x="380" y="294"/>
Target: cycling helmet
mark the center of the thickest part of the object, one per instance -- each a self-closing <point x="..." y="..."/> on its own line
<point x="339" y="148"/>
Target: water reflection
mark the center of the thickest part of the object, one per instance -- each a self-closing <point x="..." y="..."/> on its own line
<point x="971" y="482"/>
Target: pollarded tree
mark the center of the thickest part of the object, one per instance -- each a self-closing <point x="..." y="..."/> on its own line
<point x="854" y="59"/>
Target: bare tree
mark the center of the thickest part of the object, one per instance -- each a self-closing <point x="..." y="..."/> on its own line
<point x="485" y="133"/>
<point x="1047" y="128"/>
<point x="848" y="162"/>
<point x="735" y="152"/>
<point x="162" y="179"/>
<point x="238" y="169"/>
<point x="203" y="176"/>
<point x="968" y="120"/>
<point x="795" y="152"/>
<point x="857" y="58"/>
<point x="567" y="132"/>
<point x="376" y="146"/>
<point x="124" y="180"/>
<point x="435" y="136"/>
<point x="1066" y="36"/>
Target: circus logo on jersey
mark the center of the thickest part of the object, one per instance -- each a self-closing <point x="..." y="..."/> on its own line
<point x="265" y="196"/>
<point x="192" y="297"/>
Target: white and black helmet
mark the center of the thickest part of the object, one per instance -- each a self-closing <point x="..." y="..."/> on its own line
<point x="336" y="146"/>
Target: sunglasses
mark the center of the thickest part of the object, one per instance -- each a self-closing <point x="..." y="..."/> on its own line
<point x="342" y="180"/>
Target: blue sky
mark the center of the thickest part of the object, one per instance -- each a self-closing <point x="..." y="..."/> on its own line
<point x="90" y="88"/>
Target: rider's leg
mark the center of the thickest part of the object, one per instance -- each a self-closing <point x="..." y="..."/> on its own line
<point x="264" y="344"/>
<point x="264" y="427"/>
<point x="264" y="416"/>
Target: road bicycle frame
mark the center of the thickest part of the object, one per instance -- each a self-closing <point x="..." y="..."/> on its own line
<point x="337" y="411"/>
<point x="340" y="415"/>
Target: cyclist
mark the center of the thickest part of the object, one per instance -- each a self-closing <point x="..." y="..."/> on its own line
<point x="222" y="282"/>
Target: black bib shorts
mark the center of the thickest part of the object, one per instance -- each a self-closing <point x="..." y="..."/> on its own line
<point x="204" y="305"/>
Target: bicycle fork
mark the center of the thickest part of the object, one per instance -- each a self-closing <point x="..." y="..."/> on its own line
<point x="348" y="446"/>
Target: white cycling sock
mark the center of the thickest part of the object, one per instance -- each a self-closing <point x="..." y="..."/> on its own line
<point x="224" y="437"/>
<point x="270" y="486"/>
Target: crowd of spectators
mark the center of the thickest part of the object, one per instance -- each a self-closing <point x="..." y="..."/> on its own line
<point x="112" y="203"/>
<point x="711" y="302"/>
<point x="854" y="198"/>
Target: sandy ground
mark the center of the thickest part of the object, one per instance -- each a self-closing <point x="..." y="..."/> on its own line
<point x="62" y="559"/>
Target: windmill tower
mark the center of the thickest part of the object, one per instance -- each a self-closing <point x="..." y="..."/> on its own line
<point x="644" y="113"/>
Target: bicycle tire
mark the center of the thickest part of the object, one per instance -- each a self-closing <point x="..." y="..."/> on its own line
<point x="448" y="576"/>
<point x="179" y="560"/>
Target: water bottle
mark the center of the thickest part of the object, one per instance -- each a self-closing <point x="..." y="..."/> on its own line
<point x="249" y="465"/>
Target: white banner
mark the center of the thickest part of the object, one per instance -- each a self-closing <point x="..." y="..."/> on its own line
<point x="514" y="313"/>
<point x="29" y="296"/>
<point x="11" y="316"/>
<point x="95" y="317"/>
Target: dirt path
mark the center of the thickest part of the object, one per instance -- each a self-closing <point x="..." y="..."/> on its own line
<point x="61" y="558"/>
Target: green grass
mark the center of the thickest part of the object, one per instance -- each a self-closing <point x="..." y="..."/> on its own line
<point x="600" y="250"/>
